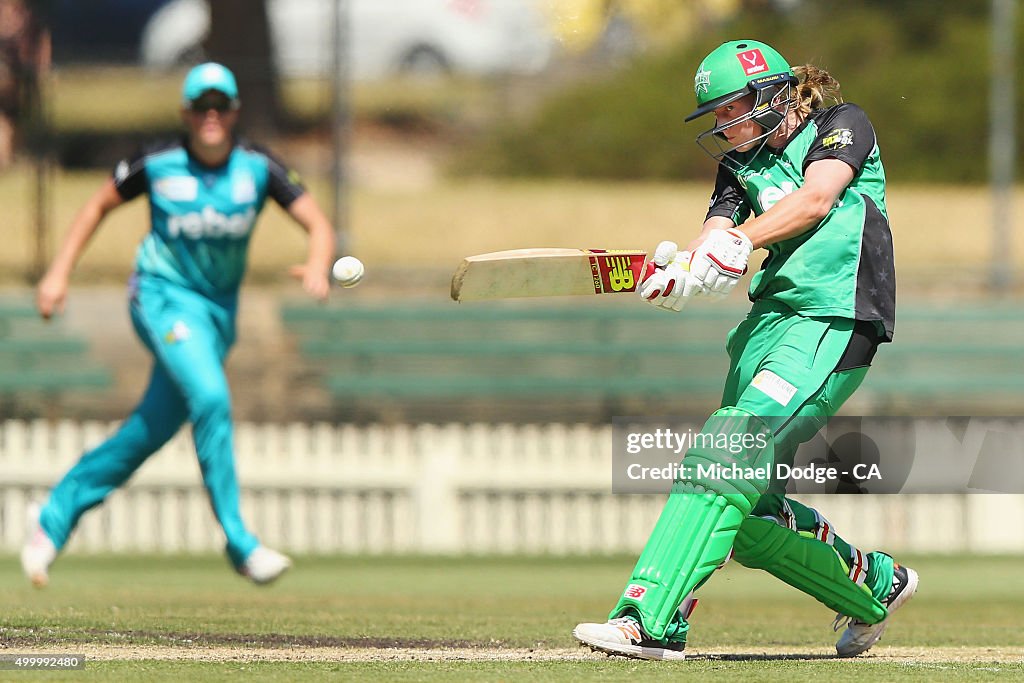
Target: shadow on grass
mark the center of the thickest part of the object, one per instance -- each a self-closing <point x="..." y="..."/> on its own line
<point x="761" y="657"/>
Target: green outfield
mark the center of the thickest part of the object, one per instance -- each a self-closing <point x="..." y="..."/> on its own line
<point x="483" y="619"/>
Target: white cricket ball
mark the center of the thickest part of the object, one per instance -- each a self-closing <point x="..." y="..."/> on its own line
<point x="348" y="271"/>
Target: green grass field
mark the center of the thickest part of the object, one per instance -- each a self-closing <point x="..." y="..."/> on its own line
<point x="483" y="619"/>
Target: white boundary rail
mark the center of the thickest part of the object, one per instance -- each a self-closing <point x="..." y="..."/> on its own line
<point x="430" y="489"/>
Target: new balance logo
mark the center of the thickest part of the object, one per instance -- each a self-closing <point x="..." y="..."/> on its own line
<point x="630" y="630"/>
<point x="635" y="592"/>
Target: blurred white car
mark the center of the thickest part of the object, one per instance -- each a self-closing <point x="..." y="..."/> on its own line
<point x="473" y="37"/>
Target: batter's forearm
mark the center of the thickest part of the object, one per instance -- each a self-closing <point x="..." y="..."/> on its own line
<point x="713" y="223"/>
<point x="796" y="213"/>
<point x="793" y="215"/>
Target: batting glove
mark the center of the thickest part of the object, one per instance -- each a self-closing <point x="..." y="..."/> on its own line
<point x="721" y="260"/>
<point x="670" y="286"/>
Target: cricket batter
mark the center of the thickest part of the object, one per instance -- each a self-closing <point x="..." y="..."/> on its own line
<point x="823" y="301"/>
<point x="205" y="192"/>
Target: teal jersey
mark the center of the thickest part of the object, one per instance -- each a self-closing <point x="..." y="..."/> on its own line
<point x="202" y="217"/>
<point x="842" y="267"/>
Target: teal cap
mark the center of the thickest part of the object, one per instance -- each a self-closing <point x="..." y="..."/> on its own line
<point x="209" y="76"/>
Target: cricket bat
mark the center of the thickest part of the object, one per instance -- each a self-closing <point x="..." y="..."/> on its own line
<point x="548" y="272"/>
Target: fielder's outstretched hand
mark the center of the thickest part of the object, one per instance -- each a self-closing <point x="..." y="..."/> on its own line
<point x="670" y="286"/>
<point x="50" y="295"/>
<point x="721" y="260"/>
<point x="314" y="280"/>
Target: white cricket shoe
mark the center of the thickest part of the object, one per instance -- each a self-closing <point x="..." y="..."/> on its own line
<point x="623" y="636"/>
<point x="860" y="636"/>
<point x="264" y="565"/>
<point x="38" y="553"/>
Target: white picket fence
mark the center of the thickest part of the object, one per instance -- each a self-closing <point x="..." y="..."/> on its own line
<point x="430" y="489"/>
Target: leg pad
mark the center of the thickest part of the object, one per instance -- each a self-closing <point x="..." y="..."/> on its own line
<point x="696" y="529"/>
<point x="807" y="564"/>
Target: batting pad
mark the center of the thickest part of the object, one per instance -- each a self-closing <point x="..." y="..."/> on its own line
<point x="695" y="531"/>
<point x="808" y="565"/>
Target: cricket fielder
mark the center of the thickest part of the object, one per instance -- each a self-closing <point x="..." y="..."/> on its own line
<point x="205" y="192"/>
<point x="823" y="301"/>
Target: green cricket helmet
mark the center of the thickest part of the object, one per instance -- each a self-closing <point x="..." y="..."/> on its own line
<point x="734" y="70"/>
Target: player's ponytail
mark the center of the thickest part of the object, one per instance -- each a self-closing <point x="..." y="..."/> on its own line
<point x="816" y="89"/>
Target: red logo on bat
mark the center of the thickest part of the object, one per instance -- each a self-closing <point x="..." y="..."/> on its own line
<point x="616" y="272"/>
<point x="753" y="62"/>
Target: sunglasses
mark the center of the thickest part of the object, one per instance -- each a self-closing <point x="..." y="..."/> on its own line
<point x="204" y="104"/>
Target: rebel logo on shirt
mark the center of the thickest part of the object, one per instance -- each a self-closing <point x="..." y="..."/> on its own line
<point x="210" y="223"/>
<point x="753" y="62"/>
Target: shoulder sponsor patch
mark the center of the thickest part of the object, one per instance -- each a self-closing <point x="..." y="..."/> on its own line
<point x="838" y="138"/>
<point x="177" y="188"/>
<point x="121" y="171"/>
<point x="774" y="387"/>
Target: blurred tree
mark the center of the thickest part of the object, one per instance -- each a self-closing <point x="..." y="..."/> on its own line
<point x="240" y="38"/>
<point x="581" y="24"/>
<point x="922" y="76"/>
<point x="665" y="22"/>
<point x="578" y="24"/>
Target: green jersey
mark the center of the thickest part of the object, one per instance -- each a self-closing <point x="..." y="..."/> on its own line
<point x="842" y="267"/>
